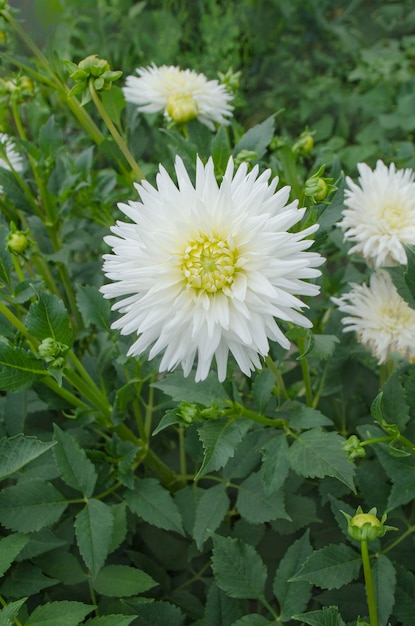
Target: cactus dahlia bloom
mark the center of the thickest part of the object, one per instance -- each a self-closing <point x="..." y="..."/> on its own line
<point x="205" y="270"/>
<point x="380" y="317"/>
<point x="380" y="214"/>
<point x="12" y="159"/>
<point x="181" y="94"/>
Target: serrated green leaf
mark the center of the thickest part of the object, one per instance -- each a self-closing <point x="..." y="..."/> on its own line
<point x="155" y="505"/>
<point x="204" y="392"/>
<point x="17" y="451"/>
<point x="256" y="507"/>
<point x="10" y="547"/>
<point x="48" y="317"/>
<point x="320" y="346"/>
<point x="328" y="616"/>
<point x="403" y="278"/>
<point x="331" y="567"/>
<point x="94" y="308"/>
<point x="76" y="469"/>
<point x="65" y="613"/>
<point x="316" y="454"/>
<point x="238" y="568"/>
<point x="63" y="566"/>
<point x="159" y="614"/>
<point x="220" y="438"/>
<point x="275" y="463"/>
<point x="18" y="368"/>
<point x="220" y="609"/>
<point x="93" y="529"/>
<point x="394" y="404"/>
<point x="302" y="417"/>
<point x="257" y="139"/>
<point x="50" y="137"/>
<point x="384" y="581"/>
<point x="30" y="506"/>
<point x="10" y="611"/>
<point x="111" y="620"/>
<point x="292" y="596"/>
<point x="170" y="418"/>
<point x="401" y="471"/>
<point x="121" y="581"/>
<point x="211" y="509"/>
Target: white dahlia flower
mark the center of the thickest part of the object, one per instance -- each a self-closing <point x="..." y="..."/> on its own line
<point x="204" y="269"/>
<point x="181" y="94"/>
<point x="380" y="317"/>
<point x="380" y="214"/>
<point x="12" y="159"/>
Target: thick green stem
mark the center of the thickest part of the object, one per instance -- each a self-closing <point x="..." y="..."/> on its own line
<point x="114" y="132"/>
<point x="370" y="591"/>
<point x="278" y="377"/>
<point x="256" y="417"/>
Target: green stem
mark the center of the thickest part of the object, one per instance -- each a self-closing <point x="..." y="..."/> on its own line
<point x="11" y="317"/>
<point x="256" y="417"/>
<point x="182" y="452"/>
<point x="392" y="545"/>
<point x="114" y="132"/>
<point x="278" y="377"/>
<point x="65" y="394"/>
<point x="370" y="591"/>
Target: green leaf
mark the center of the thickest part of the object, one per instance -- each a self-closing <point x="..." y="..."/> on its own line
<point x="19" y="450"/>
<point x="220" y="609"/>
<point x="331" y="567"/>
<point x="76" y="469"/>
<point x="328" y="616"/>
<point x="10" y="611"/>
<point x="10" y="547"/>
<point x="155" y="505"/>
<point x="405" y="597"/>
<point x="257" y="138"/>
<point x="94" y="308"/>
<point x="93" y="528"/>
<point x="394" y="404"/>
<point x="30" y="506"/>
<point x="275" y="463"/>
<point x="403" y="277"/>
<point x="65" y="613"/>
<point x="401" y="471"/>
<point x="114" y="102"/>
<point x="111" y="620"/>
<point x="48" y="317"/>
<point x="302" y="417"/>
<point x="255" y="506"/>
<point x="204" y="392"/>
<point x="25" y="579"/>
<point x="50" y="137"/>
<point x="211" y="509"/>
<point x="316" y="454"/>
<point x="252" y="620"/>
<point x="320" y="346"/>
<point x="220" y="149"/>
<point x="121" y="581"/>
<point x="18" y="368"/>
<point x="220" y="438"/>
<point x="238" y="568"/>
<point x="292" y="596"/>
<point x="159" y="614"/>
<point x="384" y="581"/>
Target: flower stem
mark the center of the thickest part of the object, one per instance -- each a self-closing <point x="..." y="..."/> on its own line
<point x="256" y="417"/>
<point x="278" y="377"/>
<point x="306" y="374"/>
<point x="370" y="592"/>
<point x="114" y="132"/>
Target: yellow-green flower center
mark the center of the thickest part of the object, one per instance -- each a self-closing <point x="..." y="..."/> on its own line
<point x="209" y="264"/>
<point x="365" y="518"/>
<point x="181" y="107"/>
<point x="393" y="216"/>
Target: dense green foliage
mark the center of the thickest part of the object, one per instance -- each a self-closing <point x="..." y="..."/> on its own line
<point x="130" y="497"/>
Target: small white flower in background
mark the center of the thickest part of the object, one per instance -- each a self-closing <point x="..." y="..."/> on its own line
<point x="181" y="94"/>
<point x="380" y="317"/>
<point x="204" y="269"/>
<point x="13" y="160"/>
<point x="380" y="214"/>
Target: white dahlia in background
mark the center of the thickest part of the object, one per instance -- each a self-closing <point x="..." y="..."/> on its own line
<point x="181" y="94"/>
<point x="380" y="214"/>
<point x="380" y="317"/>
<point x="204" y="269"/>
<point x="9" y="158"/>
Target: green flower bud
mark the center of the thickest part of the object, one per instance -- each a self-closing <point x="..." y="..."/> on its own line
<point x="318" y="188"/>
<point x="17" y="242"/>
<point x="366" y="526"/>
<point x="245" y="156"/>
<point x="305" y="143"/>
<point x="188" y="412"/>
<point x="231" y="79"/>
<point x="91" y="67"/>
<point x="51" y="351"/>
<point x="353" y="447"/>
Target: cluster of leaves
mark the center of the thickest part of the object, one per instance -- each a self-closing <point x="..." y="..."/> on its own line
<point x="127" y="498"/>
